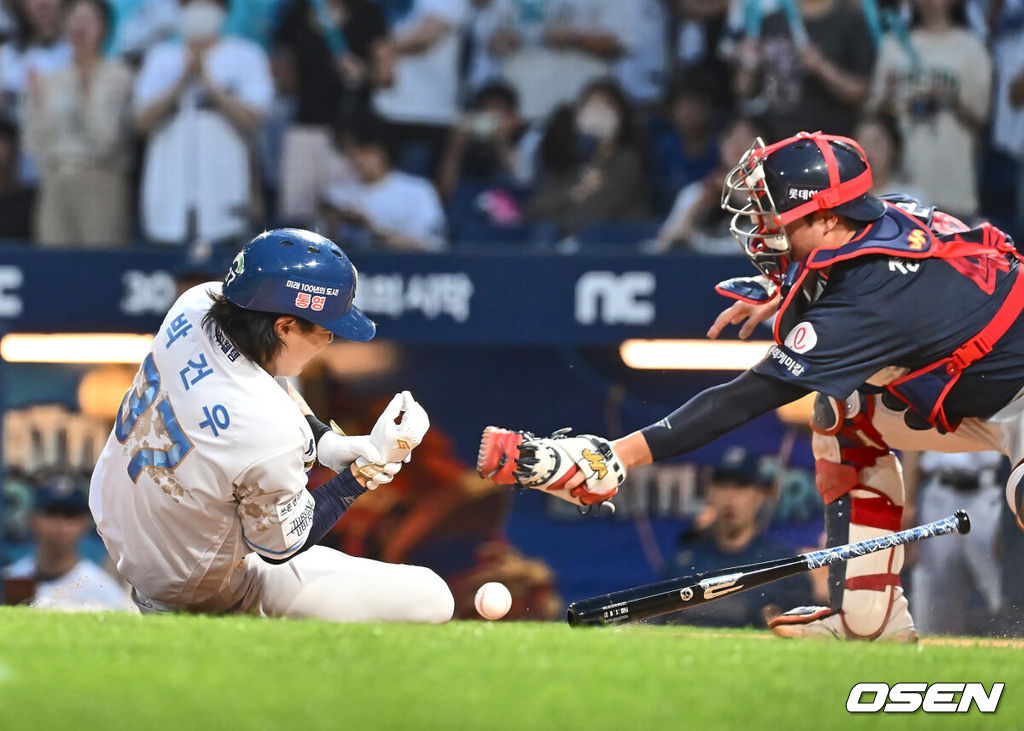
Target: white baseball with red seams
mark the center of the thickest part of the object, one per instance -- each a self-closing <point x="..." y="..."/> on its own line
<point x="493" y="600"/>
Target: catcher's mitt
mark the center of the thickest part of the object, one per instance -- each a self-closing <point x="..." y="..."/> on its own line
<point x="520" y="458"/>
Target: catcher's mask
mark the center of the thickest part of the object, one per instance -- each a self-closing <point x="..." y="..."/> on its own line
<point x="774" y="185"/>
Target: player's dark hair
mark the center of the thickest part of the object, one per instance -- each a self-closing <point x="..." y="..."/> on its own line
<point x="251" y="331"/>
<point x="364" y="128"/>
<point x="499" y="92"/>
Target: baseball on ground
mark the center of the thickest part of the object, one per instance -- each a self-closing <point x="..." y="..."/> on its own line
<point x="493" y="600"/>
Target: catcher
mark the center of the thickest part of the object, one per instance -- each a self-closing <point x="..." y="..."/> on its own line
<point x="906" y="323"/>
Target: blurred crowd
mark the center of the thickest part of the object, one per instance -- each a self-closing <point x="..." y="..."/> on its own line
<point x="434" y="125"/>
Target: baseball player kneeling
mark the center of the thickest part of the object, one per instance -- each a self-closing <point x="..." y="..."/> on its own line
<point x="200" y="492"/>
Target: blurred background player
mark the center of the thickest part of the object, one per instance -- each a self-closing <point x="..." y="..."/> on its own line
<point x="740" y="493"/>
<point x="200" y="493"/>
<point x="946" y="482"/>
<point x="55" y="575"/>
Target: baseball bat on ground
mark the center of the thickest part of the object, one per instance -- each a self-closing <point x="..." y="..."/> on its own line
<point x="651" y="600"/>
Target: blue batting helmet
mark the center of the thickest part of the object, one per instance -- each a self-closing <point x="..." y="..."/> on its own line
<point x="289" y="271"/>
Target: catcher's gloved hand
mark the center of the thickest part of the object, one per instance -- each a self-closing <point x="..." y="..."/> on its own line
<point x="549" y="463"/>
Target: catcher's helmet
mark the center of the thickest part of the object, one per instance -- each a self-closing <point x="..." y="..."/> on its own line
<point x="774" y="185"/>
<point x="289" y="271"/>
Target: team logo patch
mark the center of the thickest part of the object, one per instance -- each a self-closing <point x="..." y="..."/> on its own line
<point x="596" y="462"/>
<point x="237" y="267"/>
<point x="802" y="338"/>
<point x="801" y="194"/>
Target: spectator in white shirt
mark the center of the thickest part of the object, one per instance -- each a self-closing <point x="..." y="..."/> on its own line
<point x="550" y="50"/>
<point x="56" y="576"/>
<point x="422" y="61"/>
<point x="200" y="103"/>
<point x="383" y="207"/>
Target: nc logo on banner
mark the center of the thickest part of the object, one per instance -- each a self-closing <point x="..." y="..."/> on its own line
<point x="607" y="298"/>
<point x="10" y="303"/>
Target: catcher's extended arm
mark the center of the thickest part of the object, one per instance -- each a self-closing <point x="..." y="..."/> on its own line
<point x="519" y="458"/>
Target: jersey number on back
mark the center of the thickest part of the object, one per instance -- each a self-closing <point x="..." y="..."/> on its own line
<point x="158" y="425"/>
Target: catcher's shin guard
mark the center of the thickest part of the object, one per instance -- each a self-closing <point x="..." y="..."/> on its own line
<point x="861" y="483"/>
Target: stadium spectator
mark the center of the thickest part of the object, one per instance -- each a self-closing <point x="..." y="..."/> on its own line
<point x="937" y="83"/>
<point x="685" y="143"/>
<point x="327" y="53"/>
<point x="37" y="49"/>
<point x="592" y="163"/>
<point x="382" y="207"/>
<point x="254" y="20"/>
<point x="17" y="201"/>
<point x="78" y="129"/>
<point x="697" y="221"/>
<point x="421" y="72"/>
<point x="138" y="25"/>
<point x="698" y="29"/>
<point x="949" y="482"/>
<point x="56" y="575"/>
<point x="550" y="50"/>
<point x="739" y="494"/>
<point x="1003" y="180"/>
<point x="43" y="46"/>
<point x="882" y="141"/>
<point x="808" y="69"/>
<point x="199" y="104"/>
<point x="478" y="176"/>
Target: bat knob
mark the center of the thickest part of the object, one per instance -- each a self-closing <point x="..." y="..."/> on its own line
<point x="963" y="522"/>
<point x="572" y="616"/>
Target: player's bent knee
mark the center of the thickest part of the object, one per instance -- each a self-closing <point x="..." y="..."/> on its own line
<point x="433" y="602"/>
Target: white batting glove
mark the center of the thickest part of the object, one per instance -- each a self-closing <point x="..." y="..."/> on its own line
<point x="395" y="442"/>
<point x="337" y="451"/>
<point x="377" y="475"/>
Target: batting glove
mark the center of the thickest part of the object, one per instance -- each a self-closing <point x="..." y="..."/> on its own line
<point x="377" y="475"/>
<point x="395" y="441"/>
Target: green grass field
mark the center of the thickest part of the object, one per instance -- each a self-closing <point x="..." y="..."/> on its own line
<point x="105" y="671"/>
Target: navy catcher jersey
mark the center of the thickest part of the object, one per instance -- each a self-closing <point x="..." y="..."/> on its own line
<point x="875" y="317"/>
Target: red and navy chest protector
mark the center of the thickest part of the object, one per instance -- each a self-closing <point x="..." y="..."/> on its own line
<point x="915" y="290"/>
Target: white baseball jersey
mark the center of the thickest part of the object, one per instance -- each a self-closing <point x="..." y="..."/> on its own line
<point x="206" y="463"/>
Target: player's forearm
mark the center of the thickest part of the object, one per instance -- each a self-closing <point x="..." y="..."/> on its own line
<point x="245" y="118"/>
<point x="331" y="500"/>
<point x="712" y="413"/>
<point x="147" y="118"/>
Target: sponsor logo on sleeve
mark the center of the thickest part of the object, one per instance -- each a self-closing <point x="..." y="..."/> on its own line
<point x="786" y="361"/>
<point x="802" y="338"/>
